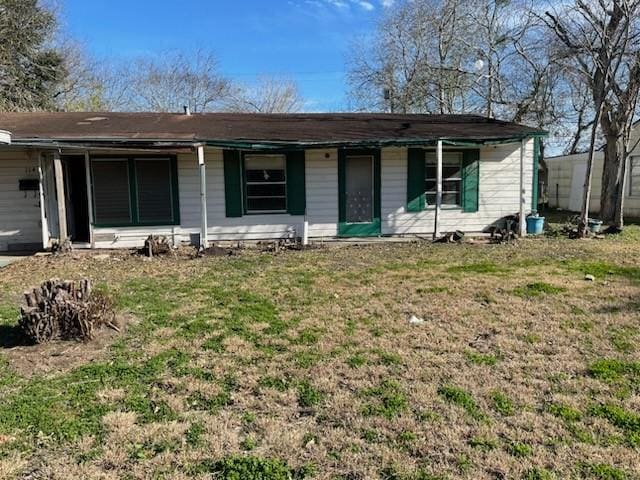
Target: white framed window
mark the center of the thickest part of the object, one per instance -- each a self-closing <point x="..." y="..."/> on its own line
<point x="451" y="178"/>
<point x="265" y="183"/>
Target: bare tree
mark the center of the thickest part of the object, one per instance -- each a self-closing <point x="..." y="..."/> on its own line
<point x="415" y="61"/>
<point x="602" y="45"/>
<point x="167" y="84"/>
<point x="454" y="56"/>
<point x="268" y="95"/>
<point x="83" y="88"/>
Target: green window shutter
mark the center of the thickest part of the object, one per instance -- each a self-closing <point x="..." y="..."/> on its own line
<point x="232" y="183"/>
<point x="415" y="180"/>
<point x="296" y="195"/>
<point x="470" y="180"/>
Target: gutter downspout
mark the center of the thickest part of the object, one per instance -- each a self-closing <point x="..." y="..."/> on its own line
<point x="204" y="239"/>
<point x="436" y="228"/>
<point x="523" y="192"/>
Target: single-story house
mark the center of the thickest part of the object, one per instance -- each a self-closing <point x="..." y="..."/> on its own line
<point x="567" y="174"/>
<point x="109" y="180"/>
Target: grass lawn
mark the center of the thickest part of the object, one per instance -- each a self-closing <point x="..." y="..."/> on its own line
<point x="304" y="365"/>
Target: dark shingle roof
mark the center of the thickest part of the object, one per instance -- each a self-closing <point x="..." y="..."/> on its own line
<point x="303" y="128"/>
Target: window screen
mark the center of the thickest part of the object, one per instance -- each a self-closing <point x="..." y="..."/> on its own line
<point x="451" y="178"/>
<point x="265" y="183"/>
<point x="111" y="191"/>
<point x="153" y="181"/>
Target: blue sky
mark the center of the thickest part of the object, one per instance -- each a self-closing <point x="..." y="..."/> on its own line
<point x="307" y="40"/>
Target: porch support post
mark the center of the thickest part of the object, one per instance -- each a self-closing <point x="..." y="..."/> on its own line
<point x="436" y="229"/>
<point x="43" y="215"/>
<point x="523" y="197"/>
<point x="87" y="169"/>
<point x="60" y="196"/>
<point x="204" y="240"/>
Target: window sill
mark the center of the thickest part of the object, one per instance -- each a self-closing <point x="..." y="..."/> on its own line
<point x="133" y="225"/>
<point x="273" y="212"/>
<point x="444" y="207"/>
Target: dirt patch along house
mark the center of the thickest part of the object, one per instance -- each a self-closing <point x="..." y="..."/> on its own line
<point x="108" y="180"/>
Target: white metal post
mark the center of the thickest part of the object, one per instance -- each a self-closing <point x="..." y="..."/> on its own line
<point x="204" y="240"/>
<point x="523" y="192"/>
<point x="436" y="230"/>
<point x="87" y="171"/>
<point x="43" y="215"/>
<point x="60" y="197"/>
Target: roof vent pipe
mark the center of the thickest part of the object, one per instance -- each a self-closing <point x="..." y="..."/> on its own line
<point x="187" y="110"/>
<point x="5" y="137"/>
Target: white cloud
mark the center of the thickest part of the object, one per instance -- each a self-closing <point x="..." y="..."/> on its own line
<point x="388" y="3"/>
<point x="338" y="3"/>
<point x="366" y="5"/>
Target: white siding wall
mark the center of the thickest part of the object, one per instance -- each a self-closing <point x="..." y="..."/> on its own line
<point x="499" y="196"/>
<point x="499" y="192"/>
<point x="19" y="211"/>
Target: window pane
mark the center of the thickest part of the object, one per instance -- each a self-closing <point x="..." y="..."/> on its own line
<point x="450" y="172"/>
<point x="451" y="198"/>
<point x="260" y="162"/>
<point x="264" y="168"/>
<point x="266" y="204"/>
<point x="265" y="182"/>
<point x="431" y="198"/>
<point x="111" y="191"/>
<point x="451" y="165"/>
<point x="154" y="190"/>
<point x="451" y="158"/>
<point x="451" y="186"/>
<point x="265" y="190"/>
<point x="430" y="186"/>
<point x="265" y="175"/>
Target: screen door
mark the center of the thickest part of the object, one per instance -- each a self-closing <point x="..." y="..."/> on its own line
<point x="359" y="189"/>
<point x="359" y="193"/>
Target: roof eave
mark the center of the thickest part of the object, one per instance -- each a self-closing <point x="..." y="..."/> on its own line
<point x="123" y="142"/>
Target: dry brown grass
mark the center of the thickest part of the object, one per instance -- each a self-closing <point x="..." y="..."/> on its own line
<point x="329" y="372"/>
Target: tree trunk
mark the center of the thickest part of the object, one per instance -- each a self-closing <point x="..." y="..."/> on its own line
<point x="544" y="174"/>
<point x="610" y="180"/>
<point x="583" y="227"/>
<point x="618" y="218"/>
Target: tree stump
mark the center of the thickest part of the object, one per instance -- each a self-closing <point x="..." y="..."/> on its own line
<point x="61" y="309"/>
